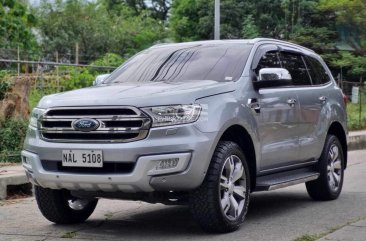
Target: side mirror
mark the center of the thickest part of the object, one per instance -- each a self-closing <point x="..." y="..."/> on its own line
<point x="99" y="79"/>
<point x="272" y="77"/>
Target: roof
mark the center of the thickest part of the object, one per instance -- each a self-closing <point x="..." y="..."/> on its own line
<point x="239" y="41"/>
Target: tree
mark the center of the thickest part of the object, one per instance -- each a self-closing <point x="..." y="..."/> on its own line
<point x="300" y="21"/>
<point x="193" y="19"/>
<point x="349" y="12"/>
<point x="97" y="31"/>
<point x="351" y="16"/>
<point x="249" y="30"/>
<point x="16" y="23"/>
<point x="157" y="9"/>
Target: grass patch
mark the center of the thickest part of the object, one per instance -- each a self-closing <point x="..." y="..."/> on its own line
<point x="308" y="237"/>
<point x="71" y="234"/>
<point x="313" y="237"/>
<point x="353" y="112"/>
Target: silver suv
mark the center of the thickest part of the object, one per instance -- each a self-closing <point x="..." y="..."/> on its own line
<point x="199" y="123"/>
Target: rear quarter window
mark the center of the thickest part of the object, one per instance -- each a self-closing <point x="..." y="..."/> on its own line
<point x="295" y="65"/>
<point x="319" y="75"/>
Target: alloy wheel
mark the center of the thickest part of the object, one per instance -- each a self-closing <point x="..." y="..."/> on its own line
<point x="334" y="168"/>
<point x="232" y="187"/>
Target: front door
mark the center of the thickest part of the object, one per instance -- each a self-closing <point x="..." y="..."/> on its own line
<point x="278" y="117"/>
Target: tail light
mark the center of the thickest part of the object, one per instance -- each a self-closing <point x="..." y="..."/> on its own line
<point x="345" y="99"/>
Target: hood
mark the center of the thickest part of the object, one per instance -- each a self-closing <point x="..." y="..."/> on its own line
<point x="138" y="94"/>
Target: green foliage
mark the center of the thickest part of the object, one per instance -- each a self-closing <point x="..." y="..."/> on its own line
<point x="299" y="21"/>
<point x="353" y="112"/>
<point x="4" y="87"/>
<point x="194" y="19"/>
<point x="15" y="25"/>
<point x="35" y="96"/>
<point x="4" y="84"/>
<point x="78" y="78"/>
<point x="309" y="237"/>
<point x="249" y="30"/>
<point x="12" y="133"/>
<point x="356" y="63"/>
<point x="348" y="12"/>
<point x="95" y="29"/>
<point x="157" y="9"/>
<point x="109" y="59"/>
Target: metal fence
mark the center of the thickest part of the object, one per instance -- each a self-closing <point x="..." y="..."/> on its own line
<point x="29" y="80"/>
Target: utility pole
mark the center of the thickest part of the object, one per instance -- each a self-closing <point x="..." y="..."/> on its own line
<point x="217" y="19"/>
<point x="76" y="53"/>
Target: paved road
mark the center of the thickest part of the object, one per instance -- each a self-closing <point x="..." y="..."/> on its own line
<point x="279" y="215"/>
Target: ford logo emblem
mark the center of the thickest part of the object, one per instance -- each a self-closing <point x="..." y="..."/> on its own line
<point x="85" y="124"/>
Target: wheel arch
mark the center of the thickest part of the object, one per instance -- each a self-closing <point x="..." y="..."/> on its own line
<point x="239" y="135"/>
<point x="337" y="130"/>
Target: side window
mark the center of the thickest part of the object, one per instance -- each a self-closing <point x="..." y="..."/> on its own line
<point x="317" y="72"/>
<point x="268" y="60"/>
<point x="294" y="63"/>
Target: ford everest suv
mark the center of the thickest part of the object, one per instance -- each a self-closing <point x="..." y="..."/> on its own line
<point x="199" y="123"/>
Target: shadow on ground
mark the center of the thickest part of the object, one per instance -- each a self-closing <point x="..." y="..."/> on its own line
<point x="176" y="221"/>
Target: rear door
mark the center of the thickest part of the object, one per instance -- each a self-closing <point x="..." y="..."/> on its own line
<point x="311" y="99"/>
<point x="278" y="116"/>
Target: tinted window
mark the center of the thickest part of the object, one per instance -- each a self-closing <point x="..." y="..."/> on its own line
<point x="317" y="72"/>
<point x="294" y="63"/>
<point x="219" y="62"/>
<point x="269" y="60"/>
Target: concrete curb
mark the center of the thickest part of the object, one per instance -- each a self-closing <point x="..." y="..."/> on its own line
<point x="357" y="140"/>
<point x="355" y="231"/>
<point x="11" y="175"/>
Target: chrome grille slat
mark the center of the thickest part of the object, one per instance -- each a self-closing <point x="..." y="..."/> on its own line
<point x="54" y="130"/>
<point x="106" y="117"/>
<point x="112" y="128"/>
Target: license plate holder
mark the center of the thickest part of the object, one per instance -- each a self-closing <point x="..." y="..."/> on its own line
<point x="82" y="158"/>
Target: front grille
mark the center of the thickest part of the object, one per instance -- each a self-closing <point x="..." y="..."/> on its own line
<point x="120" y="124"/>
<point x="108" y="168"/>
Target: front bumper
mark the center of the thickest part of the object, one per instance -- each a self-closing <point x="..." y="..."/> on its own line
<point x="192" y="147"/>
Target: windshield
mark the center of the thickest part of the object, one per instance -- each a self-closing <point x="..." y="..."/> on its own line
<point x="179" y="63"/>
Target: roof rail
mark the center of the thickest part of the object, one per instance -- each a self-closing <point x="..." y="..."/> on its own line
<point x="256" y="40"/>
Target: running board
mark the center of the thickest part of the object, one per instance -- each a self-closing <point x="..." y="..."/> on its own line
<point x="285" y="179"/>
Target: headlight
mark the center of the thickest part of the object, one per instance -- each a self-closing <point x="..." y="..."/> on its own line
<point x="34" y="116"/>
<point x="173" y="115"/>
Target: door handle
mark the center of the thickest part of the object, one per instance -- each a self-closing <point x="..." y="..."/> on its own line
<point x="291" y="102"/>
<point x="254" y="105"/>
<point x="323" y="99"/>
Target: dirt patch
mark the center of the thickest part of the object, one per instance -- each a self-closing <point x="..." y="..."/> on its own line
<point x="8" y="164"/>
<point x="15" y="103"/>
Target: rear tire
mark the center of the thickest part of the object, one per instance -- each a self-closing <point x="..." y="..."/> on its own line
<point x="60" y="207"/>
<point x="221" y="202"/>
<point x="331" y="167"/>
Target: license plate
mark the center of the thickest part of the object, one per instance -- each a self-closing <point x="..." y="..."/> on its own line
<point x="82" y="158"/>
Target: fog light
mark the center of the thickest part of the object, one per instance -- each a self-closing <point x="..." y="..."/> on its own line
<point x="26" y="163"/>
<point x="167" y="164"/>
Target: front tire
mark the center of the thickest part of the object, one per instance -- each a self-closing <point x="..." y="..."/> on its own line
<point x="221" y="202"/>
<point x="60" y="207"/>
<point x="331" y="167"/>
